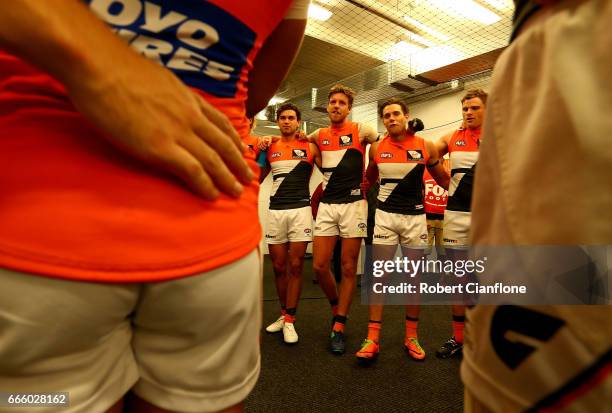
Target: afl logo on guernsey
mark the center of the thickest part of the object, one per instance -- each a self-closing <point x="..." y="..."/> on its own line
<point x="276" y="155"/>
<point x="325" y="142"/>
<point x="460" y="143"/>
<point x="298" y="154"/>
<point x="204" y="45"/>
<point x="346" y="140"/>
<point x="414" y="155"/>
<point x="386" y="155"/>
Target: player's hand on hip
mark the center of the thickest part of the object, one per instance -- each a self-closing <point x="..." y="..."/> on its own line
<point x="150" y="114"/>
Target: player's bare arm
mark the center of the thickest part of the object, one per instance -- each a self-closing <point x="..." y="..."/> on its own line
<point x="435" y="167"/>
<point x="273" y="62"/>
<point x="442" y="144"/>
<point x="316" y="154"/>
<point x="189" y="137"/>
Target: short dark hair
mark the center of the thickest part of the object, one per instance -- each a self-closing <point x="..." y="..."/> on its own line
<point x="288" y="106"/>
<point x="475" y="93"/>
<point x="393" y="101"/>
<point x="347" y="91"/>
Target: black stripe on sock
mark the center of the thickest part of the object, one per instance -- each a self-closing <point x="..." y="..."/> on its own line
<point x="459" y="318"/>
<point x="291" y="311"/>
<point x="333" y="302"/>
<point x="375" y="321"/>
<point x="340" y="319"/>
<point x="412" y="318"/>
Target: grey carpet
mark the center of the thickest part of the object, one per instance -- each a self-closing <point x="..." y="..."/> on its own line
<point x="305" y="377"/>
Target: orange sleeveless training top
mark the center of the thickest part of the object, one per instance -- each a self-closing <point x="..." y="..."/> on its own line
<point x="72" y="206"/>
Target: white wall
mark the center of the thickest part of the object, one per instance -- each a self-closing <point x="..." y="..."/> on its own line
<point x="440" y="116"/>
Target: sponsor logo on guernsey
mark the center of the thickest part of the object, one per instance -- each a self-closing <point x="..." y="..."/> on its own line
<point x="420" y="206"/>
<point x="460" y="143"/>
<point x="276" y="155"/>
<point x="270" y="236"/>
<point x="307" y="231"/>
<point x="345" y="140"/>
<point x="201" y="43"/>
<point x="298" y="154"/>
<point x="386" y="155"/>
<point x="379" y="236"/>
<point x="450" y="241"/>
<point x="414" y="155"/>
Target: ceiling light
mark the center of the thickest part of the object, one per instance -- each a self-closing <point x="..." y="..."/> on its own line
<point x="317" y="12"/>
<point x="261" y="115"/>
<point x="468" y="9"/>
<point x="427" y="29"/>
<point x="401" y="50"/>
<point x="276" y="100"/>
<point x="271" y="126"/>
<point x="413" y="37"/>
<point x="500" y="4"/>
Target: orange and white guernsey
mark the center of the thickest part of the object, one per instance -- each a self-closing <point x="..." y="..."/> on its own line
<point x="291" y="164"/>
<point x="73" y="206"/>
<point x="400" y="170"/>
<point x="463" y="150"/>
<point x="342" y="156"/>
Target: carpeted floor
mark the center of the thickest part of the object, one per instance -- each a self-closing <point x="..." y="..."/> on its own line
<point x="306" y="377"/>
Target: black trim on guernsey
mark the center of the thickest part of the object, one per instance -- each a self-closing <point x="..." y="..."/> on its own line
<point x="460" y="171"/>
<point x="346" y="177"/>
<point x="523" y="10"/>
<point x="294" y="191"/>
<point x="277" y="176"/>
<point x="407" y="195"/>
<point x="433" y="164"/>
<point x="575" y="383"/>
<point x="462" y="197"/>
<point x="390" y="181"/>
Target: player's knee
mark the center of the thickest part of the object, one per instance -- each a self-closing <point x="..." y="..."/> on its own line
<point x="295" y="267"/>
<point x="349" y="269"/>
<point x="280" y="268"/>
<point x="320" y="267"/>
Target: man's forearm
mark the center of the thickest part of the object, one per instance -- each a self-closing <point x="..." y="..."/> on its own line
<point x="62" y="37"/>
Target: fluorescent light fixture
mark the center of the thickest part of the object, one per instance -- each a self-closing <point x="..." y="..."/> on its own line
<point x="427" y="29"/>
<point x="468" y="9"/>
<point x="319" y="13"/>
<point x="401" y="50"/>
<point x="435" y="57"/>
<point x="261" y="115"/>
<point x="413" y="37"/>
<point x="500" y="4"/>
<point x="276" y="100"/>
<point x="272" y="126"/>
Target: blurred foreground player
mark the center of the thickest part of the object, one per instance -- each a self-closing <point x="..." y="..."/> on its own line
<point x="134" y="281"/>
<point x="551" y="93"/>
